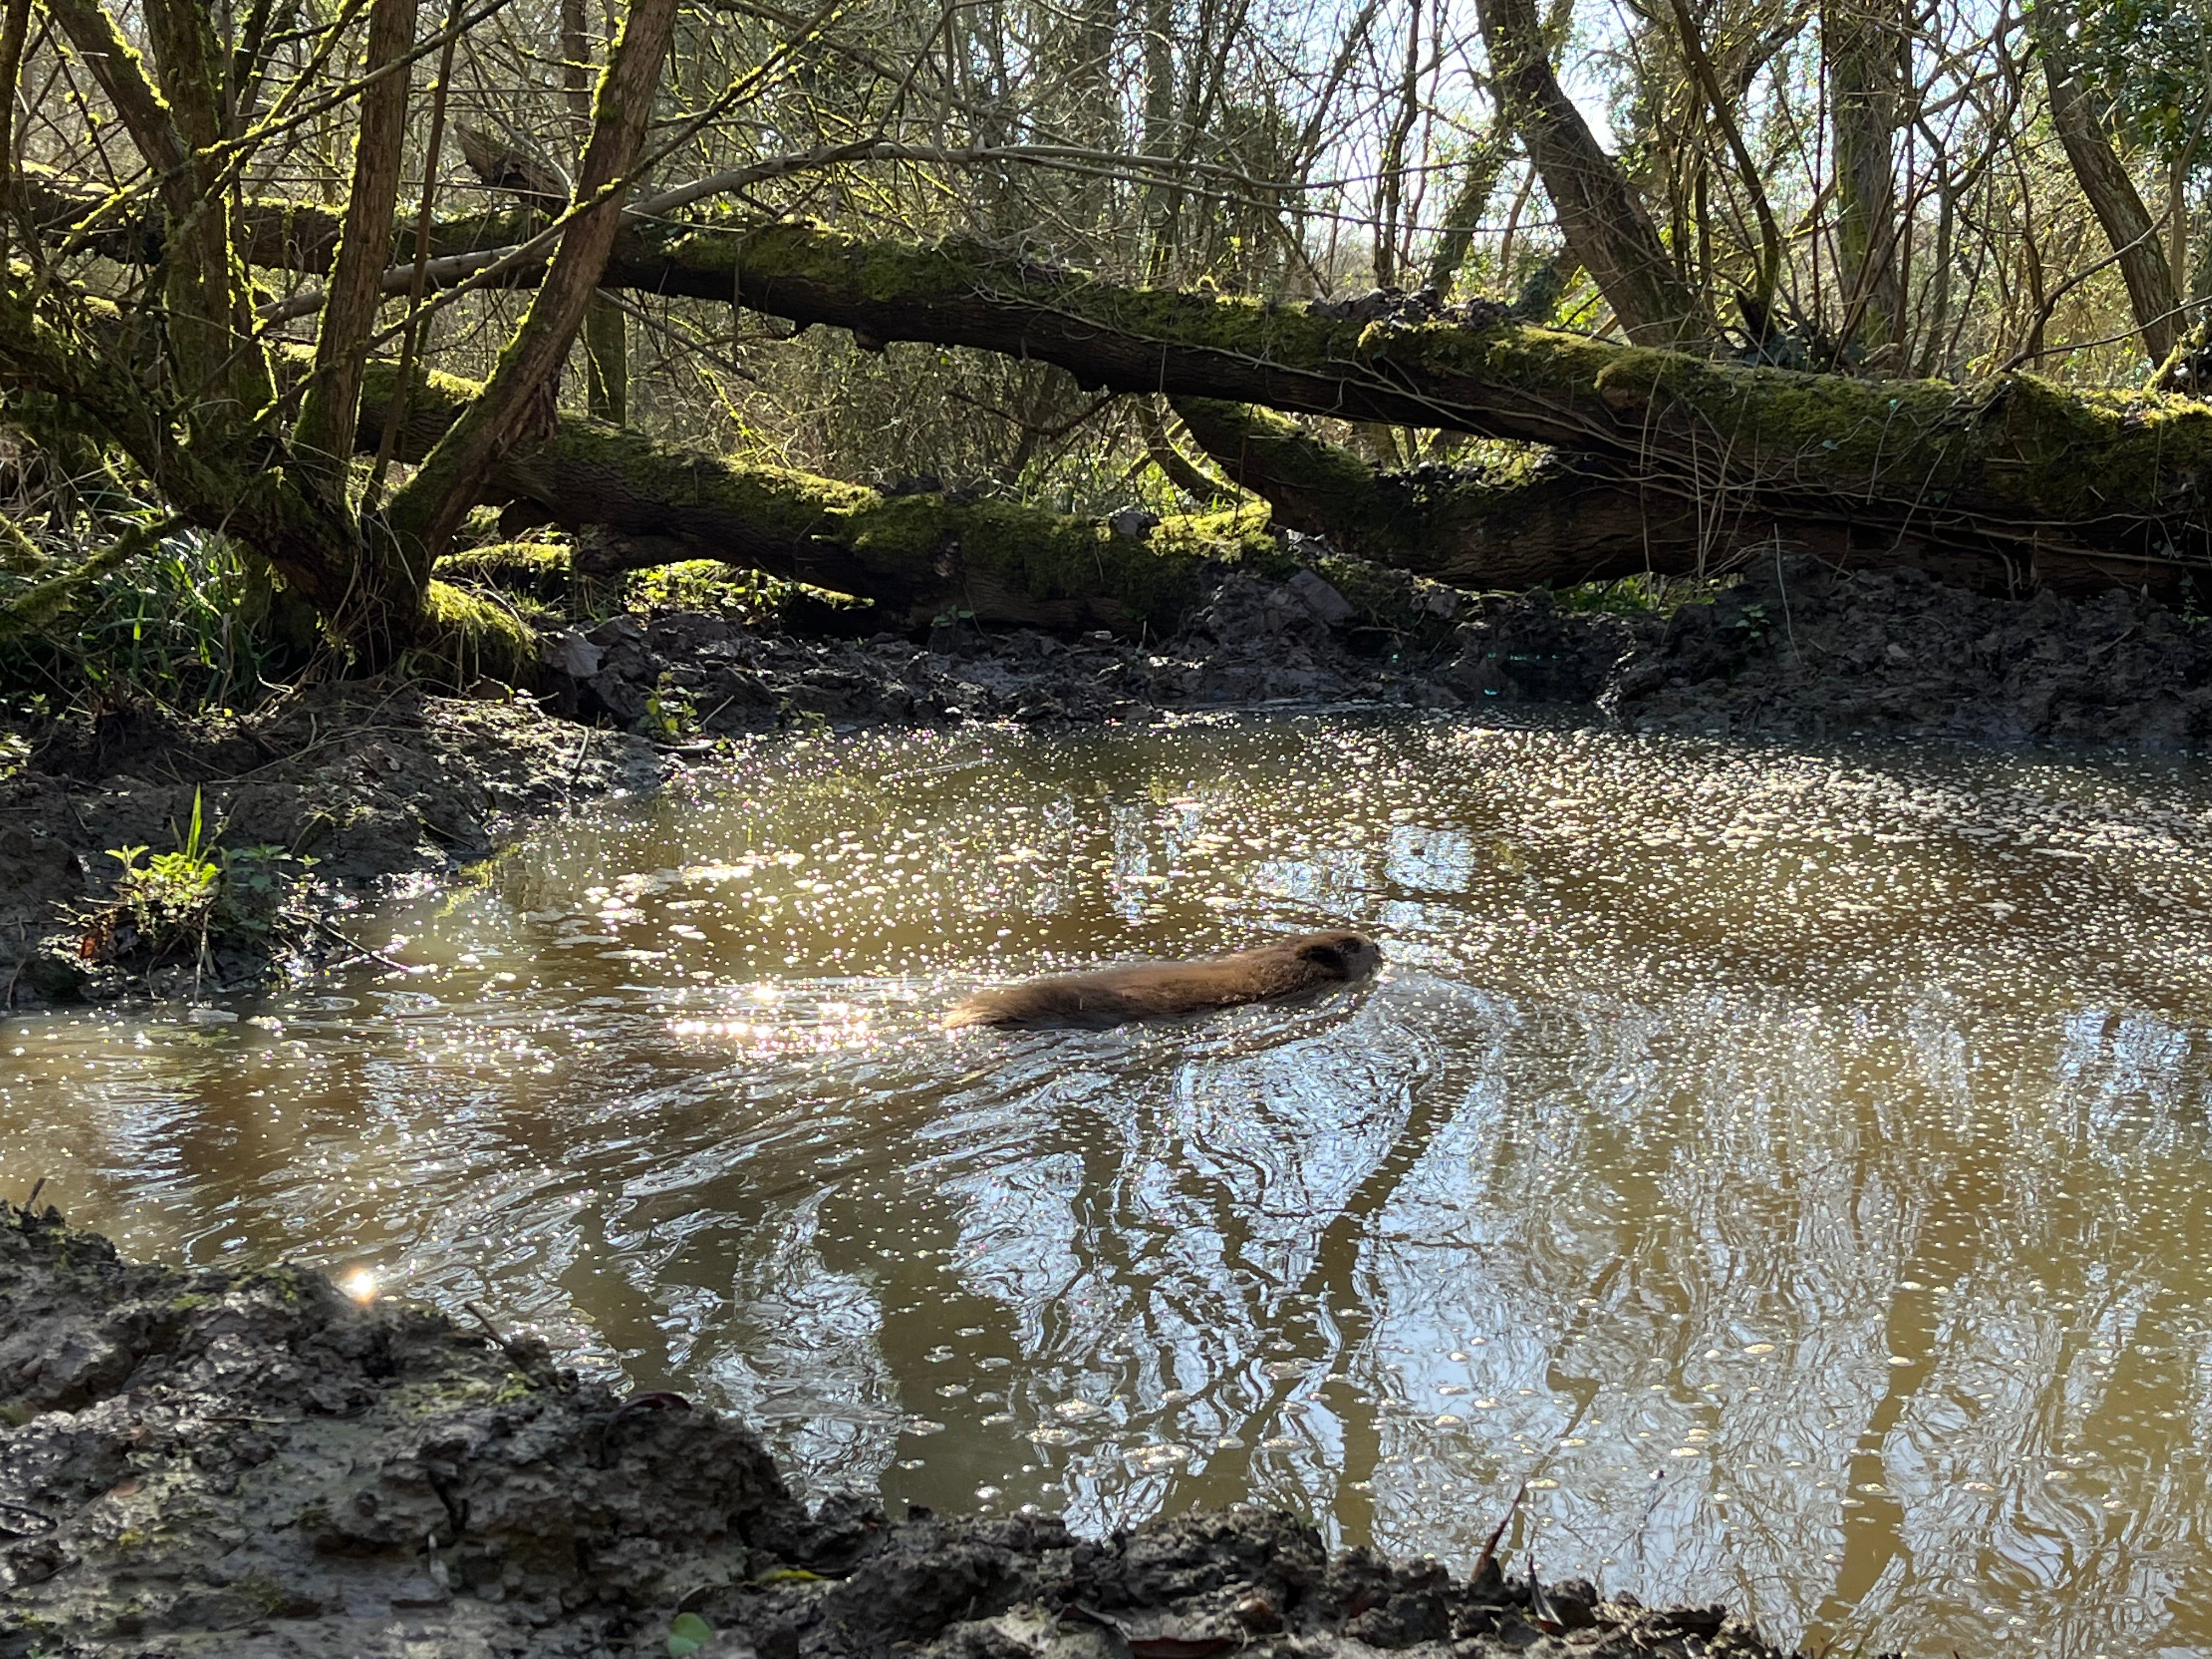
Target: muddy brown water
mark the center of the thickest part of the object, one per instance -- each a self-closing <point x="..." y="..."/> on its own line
<point x="1792" y="1166"/>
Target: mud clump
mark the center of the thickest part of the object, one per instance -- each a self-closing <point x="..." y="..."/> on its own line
<point x="1798" y="650"/>
<point x="252" y="1465"/>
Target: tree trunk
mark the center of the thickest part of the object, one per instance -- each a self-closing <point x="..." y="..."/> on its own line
<point x="1865" y="42"/>
<point x="518" y="401"/>
<point x="2112" y="194"/>
<point x="353" y="294"/>
<point x="606" y="329"/>
<point x="1481" y="167"/>
<point x="915" y="556"/>
<point x="220" y="373"/>
<point x="2014" y="478"/>
<point x="1600" y="214"/>
<point x="1554" y="520"/>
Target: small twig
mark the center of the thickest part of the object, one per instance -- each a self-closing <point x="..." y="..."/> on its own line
<point x="356" y="946"/>
<point x="577" y="770"/>
<point x="484" y="1320"/>
<point x="1490" y="1549"/>
<point x="1783" y="588"/>
<point x="523" y="1358"/>
<point x="36" y="1186"/>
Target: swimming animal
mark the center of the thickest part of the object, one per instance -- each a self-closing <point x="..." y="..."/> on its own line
<point x="1165" y="990"/>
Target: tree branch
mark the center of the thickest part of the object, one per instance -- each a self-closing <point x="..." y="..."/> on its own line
<point x="518" y="399"/>
<point x="324" y="434"/>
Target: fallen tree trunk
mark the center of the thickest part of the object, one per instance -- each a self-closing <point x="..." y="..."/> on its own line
<point x="2016" y="482"/>
<point x="915" y="557"/>
<point x="2010" y="483"/>
<point x="1554" y="520"/>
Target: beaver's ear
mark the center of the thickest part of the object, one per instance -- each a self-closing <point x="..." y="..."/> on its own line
<point x="1328" y="956"/>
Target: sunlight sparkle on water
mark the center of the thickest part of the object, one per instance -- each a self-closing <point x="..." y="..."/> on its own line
<point x="1785" y="1162"/>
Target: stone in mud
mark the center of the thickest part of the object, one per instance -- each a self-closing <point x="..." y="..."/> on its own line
<point x="622" y="696"/>
<point x="567" y="652"/>
<point x="1330" y="607"/>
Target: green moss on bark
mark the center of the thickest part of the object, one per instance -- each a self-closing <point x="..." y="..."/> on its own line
<point x="468" y="636"/>
<point x="540" y="570"/>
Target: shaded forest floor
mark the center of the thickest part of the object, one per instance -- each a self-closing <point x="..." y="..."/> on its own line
<point x="249" y="1465"/>
<point x="378" y="785"/>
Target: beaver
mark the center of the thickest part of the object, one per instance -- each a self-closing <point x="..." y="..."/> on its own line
<point x="1165" y="990"/>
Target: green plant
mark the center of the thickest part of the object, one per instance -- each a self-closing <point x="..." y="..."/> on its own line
<point x="687" y="1634"/>
<point x="708" y="585"/>
<point x="183" y="904"/>
<point x="189" y="623"/>
<point x="668" y="713"/>
<point x="1640" y="595"/>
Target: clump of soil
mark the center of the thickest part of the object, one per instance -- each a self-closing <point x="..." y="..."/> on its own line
<point x="1798" y="650"/>
<point x="367" y="781"/>
<point x="250" y="1464"/>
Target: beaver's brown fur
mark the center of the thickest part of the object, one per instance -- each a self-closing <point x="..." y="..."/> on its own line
<point x="1163" y="990"/>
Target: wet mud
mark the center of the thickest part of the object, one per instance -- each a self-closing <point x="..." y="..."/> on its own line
<point x="250" y="1464"/>
<point x="1794" y="650"/>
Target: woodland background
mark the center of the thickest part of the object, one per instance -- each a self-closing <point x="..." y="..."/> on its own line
<point x="243" y="243"/>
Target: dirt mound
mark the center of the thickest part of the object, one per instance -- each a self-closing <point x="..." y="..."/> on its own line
<point x="1797" y="649"/>
<point x="250" y="1464"/>
<point x="1794" y="650"/>
<point x="1253" y="642"/>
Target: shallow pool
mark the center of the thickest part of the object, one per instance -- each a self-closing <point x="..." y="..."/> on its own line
<point x="1790" y="1166"/>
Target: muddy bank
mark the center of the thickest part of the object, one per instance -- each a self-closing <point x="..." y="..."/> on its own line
<point x="1793" y="651"/>
<point x="251" y="1464"/>
<point x="368" y="781"/>
<point x="1798" y="651"/>
<point x="1252" y="643"/>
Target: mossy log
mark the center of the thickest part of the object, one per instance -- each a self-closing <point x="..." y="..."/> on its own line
<point x="915" y="556"/>
<point x="2010" y="482"/>
<point x="1550" y="518"/>
<point x="2017" y="478"/>
<point x="2006" y="484"/>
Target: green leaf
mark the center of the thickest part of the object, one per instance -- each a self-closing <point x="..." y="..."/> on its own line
<point x="688" y="1635"/>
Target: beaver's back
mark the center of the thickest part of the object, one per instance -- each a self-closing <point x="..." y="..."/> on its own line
<point x="1165" y="990"/>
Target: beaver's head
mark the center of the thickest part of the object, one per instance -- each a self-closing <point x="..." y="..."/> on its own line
<point x="1343" y="956"/>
